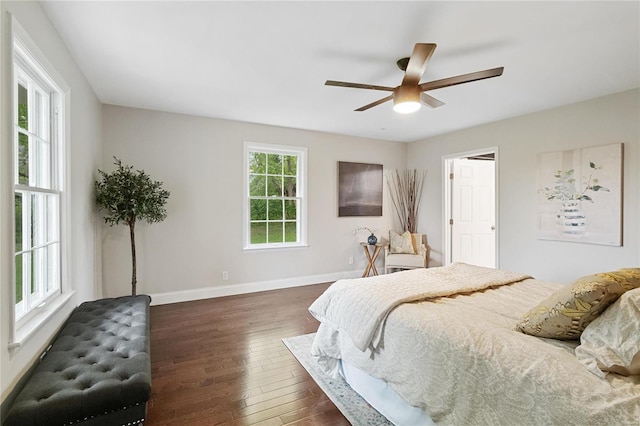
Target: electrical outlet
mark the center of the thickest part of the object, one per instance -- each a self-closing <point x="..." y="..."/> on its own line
<point x="351" y="260"/>
<point x="225" y="275"/>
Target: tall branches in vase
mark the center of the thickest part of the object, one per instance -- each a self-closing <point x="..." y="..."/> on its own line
<point x="405" y="190"/>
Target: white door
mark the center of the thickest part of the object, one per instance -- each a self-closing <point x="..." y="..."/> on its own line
<point x="473" y="212"/>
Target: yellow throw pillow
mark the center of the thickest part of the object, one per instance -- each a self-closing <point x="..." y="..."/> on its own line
<point x="400" y="243"/>
<point x="566" y="313"/>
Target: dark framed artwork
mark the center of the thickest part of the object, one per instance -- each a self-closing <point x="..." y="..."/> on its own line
<point x="359" y="189"/>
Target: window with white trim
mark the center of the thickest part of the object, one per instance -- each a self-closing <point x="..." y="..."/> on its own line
<point x="38" y="182"/>
<point x="275" y="196"/>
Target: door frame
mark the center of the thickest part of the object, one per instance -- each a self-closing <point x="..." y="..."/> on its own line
<point x="447" y="167"/>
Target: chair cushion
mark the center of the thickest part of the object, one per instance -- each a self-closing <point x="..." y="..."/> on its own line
<point x="405" y="261"/>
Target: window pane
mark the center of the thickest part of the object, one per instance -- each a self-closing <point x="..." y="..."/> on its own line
<point x="19" y="275"/>
<point x="258" y="233"/>
<point x="40" y="113"/>
<point x="274" y="162"/>
<point x="275" y="210"/>
<point x="37" y="213"/>
<point x="274" y="186"/>
<point x="258" y="209"/>
<point x="38" y="271"/>
<point x="18" y="221"/>
<point x="44" y="218"/>
<point x="53" y="271"/>
<point x="23" y="107"/>
<point x="275" y="232"/>
<point x="42" y="164"/>
<point x="289" y="186"/>
<point x="290" y="209"/>
<point x="23" y="159"/>
<point x="290" y="233"/>
<point x="52" y="217"/>
<point x="257" y="187"/>
<point x="38" y="224"/>
<point x="274" y="194"/>
<point x="29" y="266"/>
<point x="290" y="163"/>
<point x="257" y="162"/>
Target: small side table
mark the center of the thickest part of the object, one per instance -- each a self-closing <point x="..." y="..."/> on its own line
<point x="371" y="258"/>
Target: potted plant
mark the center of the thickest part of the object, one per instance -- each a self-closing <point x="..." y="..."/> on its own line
<point x="127" y="196"/>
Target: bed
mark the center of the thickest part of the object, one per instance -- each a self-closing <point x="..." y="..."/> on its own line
<point x="444" y="342"/>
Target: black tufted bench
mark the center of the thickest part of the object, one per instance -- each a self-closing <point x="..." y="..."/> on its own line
<point x="97" y="371"/>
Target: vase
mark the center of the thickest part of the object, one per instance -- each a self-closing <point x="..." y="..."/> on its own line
<point x="372" y="239"/>
<point x="570" y="220"/>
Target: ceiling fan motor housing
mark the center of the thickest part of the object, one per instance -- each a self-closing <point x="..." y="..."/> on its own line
<point x="403" y="94"/>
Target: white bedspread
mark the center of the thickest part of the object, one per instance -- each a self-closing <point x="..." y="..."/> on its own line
<point x="459" y="359"/>
<point x="359" y="307"/>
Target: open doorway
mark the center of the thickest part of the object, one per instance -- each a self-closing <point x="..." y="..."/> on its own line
<point x="470" y="211"/>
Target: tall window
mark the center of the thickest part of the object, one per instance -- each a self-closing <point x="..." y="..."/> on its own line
<point x="37" y="157"/>
<point x="275" y="195"/>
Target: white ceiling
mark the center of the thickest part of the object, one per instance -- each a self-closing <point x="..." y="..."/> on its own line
<point x="266" y="62"/>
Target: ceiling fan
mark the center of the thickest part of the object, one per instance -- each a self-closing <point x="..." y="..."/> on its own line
<point x="409" y="95"/>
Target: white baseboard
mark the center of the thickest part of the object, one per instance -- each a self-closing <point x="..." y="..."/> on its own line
<point x="243" y="288"/>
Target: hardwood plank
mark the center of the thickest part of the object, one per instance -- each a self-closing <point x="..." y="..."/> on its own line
<point x="222" y="362"/>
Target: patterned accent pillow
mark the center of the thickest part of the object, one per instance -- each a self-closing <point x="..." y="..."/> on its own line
<point x="401" y="243"/>
<point x="566" y="313"/>
<point x="610" y="342"/>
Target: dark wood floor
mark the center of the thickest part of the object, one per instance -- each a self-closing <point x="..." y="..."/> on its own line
<point x="222" y="362"/>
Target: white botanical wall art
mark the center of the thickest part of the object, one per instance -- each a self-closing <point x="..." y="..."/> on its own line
<point x="580" y="195"/>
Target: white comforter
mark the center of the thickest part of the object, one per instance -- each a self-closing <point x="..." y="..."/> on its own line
<point x="359" y="307"/>
<point x="459" y="359"/>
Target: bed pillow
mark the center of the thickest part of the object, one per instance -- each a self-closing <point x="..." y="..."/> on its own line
<point x="610" y="343"/>
<point x="566" y="313"/>
<point x="401" y="243"/>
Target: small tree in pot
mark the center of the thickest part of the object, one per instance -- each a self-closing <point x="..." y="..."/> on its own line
<point x="127" y="196"/>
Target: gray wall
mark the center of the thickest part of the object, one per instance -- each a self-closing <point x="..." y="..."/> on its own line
<point x="602" y="121"/>
<point x="84" y="145"/>
<point x="200" y="161"/>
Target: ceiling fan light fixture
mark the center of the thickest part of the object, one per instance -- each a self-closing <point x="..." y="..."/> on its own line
<point x="406" y="99"/>
<point x="406" y="107"/>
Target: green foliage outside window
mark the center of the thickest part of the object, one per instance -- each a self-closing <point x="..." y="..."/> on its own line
<point x="272" y="197"/>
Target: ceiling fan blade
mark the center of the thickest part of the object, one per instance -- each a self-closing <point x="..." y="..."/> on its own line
<point x="358" y="85"/>
<point x="376" y="103"/>
<point x="418" y="63"/>
<point x="430" y="101"/>
<point x="464" y="78"/>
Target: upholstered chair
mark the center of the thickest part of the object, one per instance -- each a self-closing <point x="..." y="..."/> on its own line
<point x="404" y="254"/>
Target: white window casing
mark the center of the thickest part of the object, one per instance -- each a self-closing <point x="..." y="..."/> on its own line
<point x="275" y="196"/>
<point x="40" y="119"/>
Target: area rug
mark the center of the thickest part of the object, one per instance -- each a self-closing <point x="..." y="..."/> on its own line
<point x="357" y="411"/>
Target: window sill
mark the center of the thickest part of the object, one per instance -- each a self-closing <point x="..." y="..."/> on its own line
<point x="276" y="247"/>
<point x="31" y="327"/>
